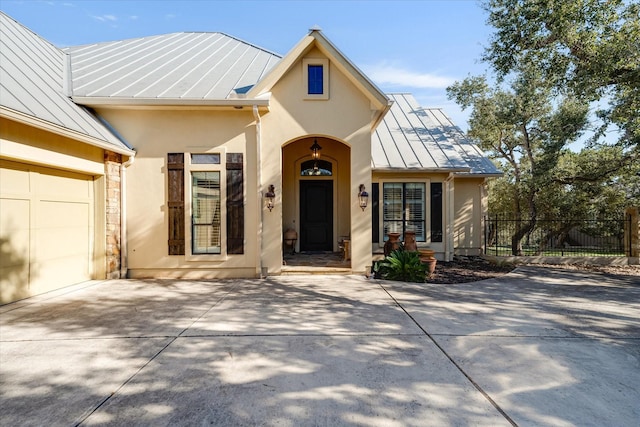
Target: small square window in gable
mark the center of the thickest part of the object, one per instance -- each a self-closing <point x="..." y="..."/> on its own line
<point x="316" y="78"/>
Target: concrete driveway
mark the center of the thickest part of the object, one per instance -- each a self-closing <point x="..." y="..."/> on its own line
<point x="537" y="347"/>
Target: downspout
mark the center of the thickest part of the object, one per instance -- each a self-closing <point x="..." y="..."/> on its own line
<point x="448" y="245"/>
<point x="259" y="218"/>
<point x="124" y="261"/>
<point x="484" y="209"/>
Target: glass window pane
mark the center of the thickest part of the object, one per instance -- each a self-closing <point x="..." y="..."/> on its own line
<point x="316" y="168"/>
<point x="403" y="209"/>
<point x="205" y="159"/>
<point x="206" y="233"/>
<point x="315" y="80"/>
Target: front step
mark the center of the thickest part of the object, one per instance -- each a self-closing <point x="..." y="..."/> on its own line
<point x="290" y="270"/>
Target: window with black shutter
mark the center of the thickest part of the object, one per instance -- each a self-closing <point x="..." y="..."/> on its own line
<point x="175" y="202"/>
<point x="235" y="203"/>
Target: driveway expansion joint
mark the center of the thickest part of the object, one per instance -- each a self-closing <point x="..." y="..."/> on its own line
<point x="450" y="358"/>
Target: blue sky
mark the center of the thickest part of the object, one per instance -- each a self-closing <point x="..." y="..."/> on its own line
<point x="403" y="46"/>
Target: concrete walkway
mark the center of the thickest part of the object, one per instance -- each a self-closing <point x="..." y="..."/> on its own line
<point x="537" y="347"/>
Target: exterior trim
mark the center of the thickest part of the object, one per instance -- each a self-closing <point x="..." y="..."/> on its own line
<point x="27" y="119"/>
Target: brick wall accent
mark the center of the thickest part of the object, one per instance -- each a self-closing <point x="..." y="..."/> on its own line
<point x="112" y="162"/>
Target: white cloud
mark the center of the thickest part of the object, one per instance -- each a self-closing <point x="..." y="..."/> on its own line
<point x="390" y="75"/>
<point x="133" y="17"/>
<point x="105" y="18"/>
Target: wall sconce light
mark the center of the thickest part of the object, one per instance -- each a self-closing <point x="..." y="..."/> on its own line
<point x="315" y="149"/>
<point x="270" y="196"/>
<point x="363" y="197"/>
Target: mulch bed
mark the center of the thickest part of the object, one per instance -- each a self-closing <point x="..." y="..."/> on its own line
<point x="468" y="269"/>
<point x="473" y="269"/>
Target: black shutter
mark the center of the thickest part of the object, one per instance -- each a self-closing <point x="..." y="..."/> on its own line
<point x="235" y="204"/>
<point x="175" y="202"/>
<point x="375" y="213"/>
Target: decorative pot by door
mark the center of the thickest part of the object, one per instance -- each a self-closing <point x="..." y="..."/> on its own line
<point x="392" y="244"/>
<point x="410" y="241"/>
<point x="427" y="257"/>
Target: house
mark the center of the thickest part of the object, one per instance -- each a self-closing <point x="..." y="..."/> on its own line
<point x="219" y="147"/>
<point x="60" y="174"/>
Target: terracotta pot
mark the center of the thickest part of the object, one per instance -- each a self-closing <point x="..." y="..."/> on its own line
<point x="427" y="257"/>
<point x="290" y="236"/>
<point x="426" y="253"/>
<point x="410" y="241"/>
<point x="392" y="244"/>
<point x="431" y="264"/>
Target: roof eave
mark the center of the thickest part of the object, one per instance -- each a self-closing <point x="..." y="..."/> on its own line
<point x="98" y="101"/>
<point x="479" y="175"/>
<point x="36" y="122"/>
<point x="420" y="170"/>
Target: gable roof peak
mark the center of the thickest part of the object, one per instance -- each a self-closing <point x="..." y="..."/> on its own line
<point x="315" y="28"/>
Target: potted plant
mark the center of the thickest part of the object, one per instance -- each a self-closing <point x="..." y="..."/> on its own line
<point x="403" y="266"/>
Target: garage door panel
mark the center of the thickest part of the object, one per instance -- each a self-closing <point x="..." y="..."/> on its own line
<point x="55" y="214"/>
<point x="66" y="185"/>
<point x="14" y="249"/>
<point x="46" y="229"/>
<point x="56" y="273"/>
<point x="13" y="181"/>
<point x="14" y="231"/>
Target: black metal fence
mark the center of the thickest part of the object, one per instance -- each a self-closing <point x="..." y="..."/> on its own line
<point x="556" y="237"/>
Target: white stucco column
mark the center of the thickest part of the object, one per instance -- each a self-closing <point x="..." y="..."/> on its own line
<point x="360" y="220"/>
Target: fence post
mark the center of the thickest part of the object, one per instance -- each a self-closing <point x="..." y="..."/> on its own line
<point x="632" y="233"/>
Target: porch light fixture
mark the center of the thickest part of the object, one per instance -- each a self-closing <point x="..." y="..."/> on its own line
<point x="270" y="196"/>
<point x="363" y="197"/>
<point x="315" y="149"/>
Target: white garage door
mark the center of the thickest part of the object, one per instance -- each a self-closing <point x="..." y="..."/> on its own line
<point x="46" y="229"/>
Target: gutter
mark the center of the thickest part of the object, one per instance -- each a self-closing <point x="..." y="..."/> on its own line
<point x="104" y="101"/>
<point x="259" y="218"/>
<point x="421" y="170"/>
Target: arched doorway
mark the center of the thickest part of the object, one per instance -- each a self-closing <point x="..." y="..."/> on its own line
<point x="314" y="188"/>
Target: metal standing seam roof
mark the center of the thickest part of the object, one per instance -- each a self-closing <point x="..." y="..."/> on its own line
<point x="32" y="79"/>
<point x="424" y="139"/>
<point x="186" y="66"/>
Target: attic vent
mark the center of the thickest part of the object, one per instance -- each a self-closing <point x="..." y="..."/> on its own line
<point x="240" y="92"/>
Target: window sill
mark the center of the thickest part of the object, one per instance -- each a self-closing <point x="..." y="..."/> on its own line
<point x="206" y="258"/>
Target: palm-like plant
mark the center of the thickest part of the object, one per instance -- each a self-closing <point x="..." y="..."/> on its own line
<point x="404" y="266"/>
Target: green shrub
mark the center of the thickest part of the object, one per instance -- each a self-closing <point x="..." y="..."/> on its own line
<point x="404" y="266"/>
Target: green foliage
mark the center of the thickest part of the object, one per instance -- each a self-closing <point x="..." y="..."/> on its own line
<point x="404" y="266"/>
<point x="555" y="62"/>
<point x="586" y="48"/>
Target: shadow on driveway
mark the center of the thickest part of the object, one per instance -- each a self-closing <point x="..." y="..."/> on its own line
<point x="538" y="346"/>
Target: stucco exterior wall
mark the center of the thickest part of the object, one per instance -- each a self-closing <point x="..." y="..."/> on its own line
<point x="156" y="132"/>
<point x="27" y="144"/>
<point x="469" y="208"/>
<point x="346" y="117"/>
<point x="342" y="121"/>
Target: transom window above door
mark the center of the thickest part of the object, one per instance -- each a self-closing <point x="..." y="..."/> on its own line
<point x="316" y="168"/>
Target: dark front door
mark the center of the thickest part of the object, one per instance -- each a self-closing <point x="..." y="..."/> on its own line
<point x="316" y="215"/>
